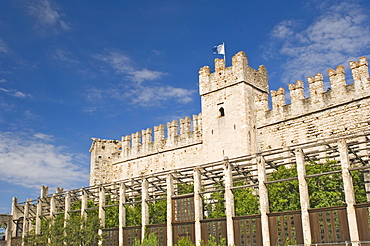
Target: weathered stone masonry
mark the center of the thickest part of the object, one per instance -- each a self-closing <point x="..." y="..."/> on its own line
<point x="235" y="110"/>
<point x="235" y="138"/>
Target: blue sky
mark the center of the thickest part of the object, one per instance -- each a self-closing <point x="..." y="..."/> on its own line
<point x="72" y="70"/>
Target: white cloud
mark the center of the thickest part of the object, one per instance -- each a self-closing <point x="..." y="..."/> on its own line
<point x="122" y="64"/>
<point x="15" y="93"/>
<point x="89" y="110"/>
<point x="339" y="33"/>
<point x="283" y="30"/>
<point x="2" y="80"/>
<point x="94" y="95"/>
<point x="62" y="55"/>
<point x="48" y="16"/>
<point x="148" y="96"/>
<point x="137" y="92"/>
<point x="144" y="74"/>
<point x="3" y="47"/>
<point x="31" y="162"/>
<point x="43" y="136"/>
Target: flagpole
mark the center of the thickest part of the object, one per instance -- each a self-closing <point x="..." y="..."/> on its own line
<point x="223" y="43"/>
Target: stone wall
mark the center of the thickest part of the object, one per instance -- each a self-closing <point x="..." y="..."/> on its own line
<point x="236" y="121"/>
<point x="341" y="110"/>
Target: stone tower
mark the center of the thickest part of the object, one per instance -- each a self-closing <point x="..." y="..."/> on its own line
<point x="230" y="105"/>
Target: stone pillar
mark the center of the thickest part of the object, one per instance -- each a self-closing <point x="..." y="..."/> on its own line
<point x="52" y="207"/>
<point x="144" y="207"/>
<point x="43" y="195"/>
<point x="348" y="191"/>
<point x="122" y="212"/>
<point x="67" y="207"/>
<point x="198" y="206"/>
<point x="15" y="215"/>
<point x="38" y="216"/>
<point x="170" y="193"/>
<point x="84" y="204"/>
<point x="25" y="219"/>
<point x="303" y="196"/>
<point x="8" y="232"/>
<point x="101" y="211"/>
<point x="364" y="155"/>
<point x="264" y="200"/>
<point x="229" y="202"/>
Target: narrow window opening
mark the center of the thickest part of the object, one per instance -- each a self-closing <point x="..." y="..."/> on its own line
<point x="222" y="112"/>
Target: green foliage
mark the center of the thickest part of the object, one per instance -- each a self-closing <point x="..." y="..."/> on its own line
<point x="133" y="214"/>
<point x="185" y="188"/>
<point x="77" y="231"/>
<point x="246" y="203"/>
<point x="324" y="191"/>
<point x="111" y="215"/>
<point x="149" y="240"/>
<point x="284" y="196"/>
<point x="216" y="207"/>
<point x="213" y="242"/>
<point x="184" y="241"/>
<point x="289" y="241"/>
<point x="158" y="212"/>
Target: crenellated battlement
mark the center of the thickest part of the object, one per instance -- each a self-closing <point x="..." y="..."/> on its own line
<point x="236" y="120"/>
<point x="339" y="92"/>
<point x="224" y="76"/>
<point x="181" y="133"/>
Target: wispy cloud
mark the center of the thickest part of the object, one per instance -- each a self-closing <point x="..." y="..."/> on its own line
<point x="48" y="16"/>
<point x="62" y="55"/>
<point x="137" y="91"/>
<point x="3" y="47"/>
<point x="15" y="93"/>
<point x="34" y="161"/>
<point x="340" y="32"/>
<point x="147" y="96"/>
<point x="122" y="64"/>
<point x="43" y="136"/>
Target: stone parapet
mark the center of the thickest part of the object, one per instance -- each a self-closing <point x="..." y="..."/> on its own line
<point x="338" y="93"/>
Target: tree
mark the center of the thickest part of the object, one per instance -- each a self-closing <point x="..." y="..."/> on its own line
<point x="74" y="232"/>
<point x="158" y="212"/>
<point x="245" y="202"/>
<point x="324" y="190"/>
<point x="149" y="240"/>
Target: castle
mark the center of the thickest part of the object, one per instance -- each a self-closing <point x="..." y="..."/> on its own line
<point x="234" y="143"/>
<point x="236" y="121"/>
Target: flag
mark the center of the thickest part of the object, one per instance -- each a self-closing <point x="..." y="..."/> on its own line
<point x="219" y="49"/>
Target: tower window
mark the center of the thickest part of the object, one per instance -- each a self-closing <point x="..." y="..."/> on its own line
<point x="222" y="112"/>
